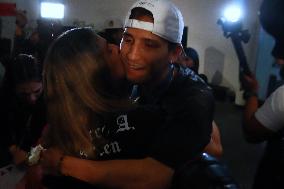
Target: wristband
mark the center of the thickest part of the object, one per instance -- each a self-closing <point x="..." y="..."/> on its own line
<point x="248" y="94"/>
<point x="59" y="163"/>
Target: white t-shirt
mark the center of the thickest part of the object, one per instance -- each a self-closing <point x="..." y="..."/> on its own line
<point x="271" y="113"/>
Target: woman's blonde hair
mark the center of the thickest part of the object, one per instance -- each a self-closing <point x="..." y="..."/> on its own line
<point x="74" y="72"/>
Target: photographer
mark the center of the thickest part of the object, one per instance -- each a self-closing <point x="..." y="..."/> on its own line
<point x="267" y="122"/>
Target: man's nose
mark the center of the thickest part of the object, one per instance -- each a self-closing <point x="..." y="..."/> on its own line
<point x="134" y="52"/>
<point x="32" y="98"/>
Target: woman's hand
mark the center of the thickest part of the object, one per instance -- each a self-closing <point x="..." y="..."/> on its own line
<point x="19" y="155"/>
<point x="51" y="160"/>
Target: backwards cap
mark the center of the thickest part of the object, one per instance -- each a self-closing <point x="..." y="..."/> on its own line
<point x="168" y="20"/>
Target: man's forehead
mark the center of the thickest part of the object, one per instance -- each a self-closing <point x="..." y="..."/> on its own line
<point x="142" y="34"/>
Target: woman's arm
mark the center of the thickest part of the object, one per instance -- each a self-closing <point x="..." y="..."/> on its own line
<point x="144" y="173"/>
<point x="19" y="155"/>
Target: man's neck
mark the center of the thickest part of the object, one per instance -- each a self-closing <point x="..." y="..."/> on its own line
<point x="164" y="78"/>
<point x="153" y="91"/>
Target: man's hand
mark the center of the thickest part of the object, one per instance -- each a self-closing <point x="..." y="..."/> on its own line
<point x="250" y="83"/>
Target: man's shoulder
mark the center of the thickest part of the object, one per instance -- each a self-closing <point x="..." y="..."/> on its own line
<point x="188" y="91"/>
<point x="187" y="82"/>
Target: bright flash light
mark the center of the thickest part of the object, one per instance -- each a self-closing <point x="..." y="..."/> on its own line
<point x="233" y="13"/>
<point x="52" y="10"/>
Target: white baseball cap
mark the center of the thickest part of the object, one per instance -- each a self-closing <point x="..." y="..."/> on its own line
<point x="168" y="20"/>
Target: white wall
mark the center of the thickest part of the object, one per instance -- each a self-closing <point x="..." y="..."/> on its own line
<point x="217" y="56"/>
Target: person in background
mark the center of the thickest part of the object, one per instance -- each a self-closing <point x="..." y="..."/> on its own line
<point x="113" y="31"/>
<point x="20" y="34"/>
<point x="190" y="59"/>
<point x="266" y="123"/>
<point x="22" y="112"/>
<point x="22" y="106"/>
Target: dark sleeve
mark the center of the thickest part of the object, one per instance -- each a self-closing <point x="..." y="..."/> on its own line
<point x="5" y="156"/>
<point x="5" y="137"/>
<point x="187" y="129"/>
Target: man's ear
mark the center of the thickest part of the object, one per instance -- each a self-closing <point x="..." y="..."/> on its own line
<point x="175" y="53"/>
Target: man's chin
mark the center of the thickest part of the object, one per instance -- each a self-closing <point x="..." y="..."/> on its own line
<point x="136" y="79"/>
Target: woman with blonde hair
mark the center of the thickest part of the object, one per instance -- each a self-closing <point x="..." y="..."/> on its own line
<point x="75" y="80"/>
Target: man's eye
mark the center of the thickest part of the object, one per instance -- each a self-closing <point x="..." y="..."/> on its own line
<point x="151" y="44"/>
